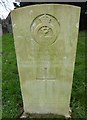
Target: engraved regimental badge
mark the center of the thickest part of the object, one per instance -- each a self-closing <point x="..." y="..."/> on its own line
<point x="45" y="29"/>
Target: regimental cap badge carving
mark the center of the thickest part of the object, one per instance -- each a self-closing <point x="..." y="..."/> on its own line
<point x="45" y="29"/>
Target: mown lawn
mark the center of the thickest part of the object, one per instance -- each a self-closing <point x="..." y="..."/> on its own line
<point x="11" y="95"/>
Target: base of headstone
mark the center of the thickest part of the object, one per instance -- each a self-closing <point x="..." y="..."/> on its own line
<point x="25" y="115"/>
<point x="28" y="115"/>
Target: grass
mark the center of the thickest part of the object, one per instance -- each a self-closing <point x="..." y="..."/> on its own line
<point x="78" y="88"/>
<point x="11" y="95"/>
<point x="0" y="77"/>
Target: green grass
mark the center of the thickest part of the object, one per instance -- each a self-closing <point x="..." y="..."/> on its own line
<point x="11" y="95"/>
<point x="78" y="88"/>
<point x="0" y="77"/>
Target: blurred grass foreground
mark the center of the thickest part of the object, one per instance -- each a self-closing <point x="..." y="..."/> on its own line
<point x="12" y="105"/>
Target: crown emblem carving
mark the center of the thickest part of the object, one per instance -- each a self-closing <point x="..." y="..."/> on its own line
<point x="45" y="19"/>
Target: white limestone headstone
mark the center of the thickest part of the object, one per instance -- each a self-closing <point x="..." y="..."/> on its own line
<point x="45" y="39"/>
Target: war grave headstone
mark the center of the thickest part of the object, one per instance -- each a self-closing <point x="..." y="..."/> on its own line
<point x="45" y="37"/>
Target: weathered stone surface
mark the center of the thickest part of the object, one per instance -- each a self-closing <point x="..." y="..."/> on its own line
<point x="45" y="40"/>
